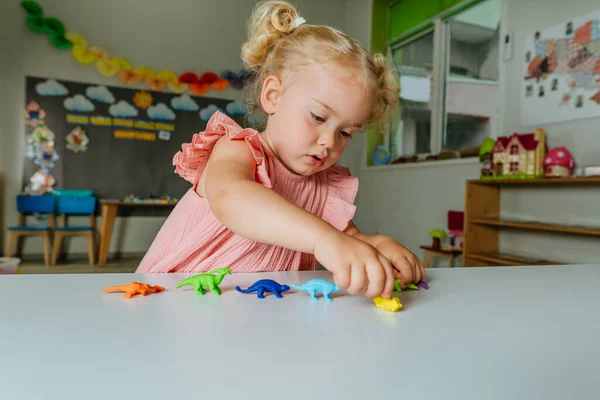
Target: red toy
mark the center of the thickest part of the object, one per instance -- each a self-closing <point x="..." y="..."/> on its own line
<point x="456" y="221"/>
<point x="559" y="162"/>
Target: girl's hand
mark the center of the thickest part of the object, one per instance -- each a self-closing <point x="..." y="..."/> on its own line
<point x="355" y="264"/>
<point x="409" y="266"/>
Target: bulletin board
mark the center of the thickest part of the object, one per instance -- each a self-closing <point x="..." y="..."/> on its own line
<point x="561" y="72"/>
<point x="114" y="141"/>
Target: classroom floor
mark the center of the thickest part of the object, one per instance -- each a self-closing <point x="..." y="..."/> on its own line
<point x="80" y="267"/>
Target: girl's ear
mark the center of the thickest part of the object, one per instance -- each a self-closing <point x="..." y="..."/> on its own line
<point x="271" y="91"/>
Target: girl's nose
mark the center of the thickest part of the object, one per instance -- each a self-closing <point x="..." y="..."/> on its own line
<point x="326" y="139"/>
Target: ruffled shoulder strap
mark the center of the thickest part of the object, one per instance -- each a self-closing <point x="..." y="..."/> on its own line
<point x="193" y="157"/>
<point x="339" y="206"/>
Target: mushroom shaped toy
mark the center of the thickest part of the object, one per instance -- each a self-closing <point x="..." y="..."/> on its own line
<point x="559" y="162"/>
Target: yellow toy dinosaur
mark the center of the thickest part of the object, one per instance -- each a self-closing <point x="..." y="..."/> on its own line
<point x="392" y="304"/>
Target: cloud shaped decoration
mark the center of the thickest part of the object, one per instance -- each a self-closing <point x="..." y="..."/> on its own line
<point x="207" y="112"/>
<point x="123" y="110"/>
<point x="255" y="120"/>
<point x="51" y="88"/>
<point x="100" y="93"/>
<point x="236" y="108"/>
<point x="78" y="103"/>
<point x="184" y="103"/>
<point x="161" y="112"/>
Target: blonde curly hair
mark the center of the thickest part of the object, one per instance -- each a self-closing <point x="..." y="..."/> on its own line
<point x="275" y="44"/>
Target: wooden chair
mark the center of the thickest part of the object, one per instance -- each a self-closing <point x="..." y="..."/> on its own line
<point x="75" y="206"/>
<point x="32" y="205"/>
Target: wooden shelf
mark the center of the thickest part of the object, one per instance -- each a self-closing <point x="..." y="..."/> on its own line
<point x="580" y="180"/>
<point x="509" y="260"/>
<point x="538" y="226"/>
<point x="483" y="219"/>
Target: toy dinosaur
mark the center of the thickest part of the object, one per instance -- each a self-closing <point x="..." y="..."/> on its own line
<point x="207" y="280"/>
<point x="318" y="285"/>
<point x="134" y="288"/>
<point x="392" y="304"/>
<point x="265" y="285"/>
<point x="412" y="286"/>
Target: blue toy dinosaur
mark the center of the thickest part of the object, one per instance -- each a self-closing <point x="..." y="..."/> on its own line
<point x="318" y="285"/>
<point x="265" y="285"/>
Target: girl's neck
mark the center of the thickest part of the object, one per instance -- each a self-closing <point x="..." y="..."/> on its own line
<point x="266" y="138"/>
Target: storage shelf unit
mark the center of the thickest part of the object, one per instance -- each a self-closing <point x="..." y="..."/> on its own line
<point x="483" y="222"/>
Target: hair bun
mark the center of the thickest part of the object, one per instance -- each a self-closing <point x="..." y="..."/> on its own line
<point x="269" y="22"/>
<point x="283" y="18"/>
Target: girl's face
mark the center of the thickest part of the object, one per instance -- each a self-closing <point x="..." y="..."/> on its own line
<point x="312" y="115"/>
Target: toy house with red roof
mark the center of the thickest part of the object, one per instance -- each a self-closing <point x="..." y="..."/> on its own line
<point x="520" y="155"/>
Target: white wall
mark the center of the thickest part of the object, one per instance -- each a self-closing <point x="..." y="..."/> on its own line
<point x="182" y="35"/>
<point x="358" y="26"/>
<point x="408" y="201"/>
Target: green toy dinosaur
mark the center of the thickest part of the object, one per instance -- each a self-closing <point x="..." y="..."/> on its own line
<point x="207" y="280"/>
<point x="398" y="287"/>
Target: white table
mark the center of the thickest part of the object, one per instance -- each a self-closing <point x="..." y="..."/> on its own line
<point x="480" y="333"/>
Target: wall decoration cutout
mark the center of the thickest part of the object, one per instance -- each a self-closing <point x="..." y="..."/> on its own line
<point x="567" y="55"/>
<point x="78" y="103"/>
<point x="51" y="88"/>
<point x="143" y="100"/>
<point x="123" y="109"/>
<point x="164" y="135"/>
<point x="184" y="103"/>
<point x="237" y="81"/>
<point x="100" y="93"/>
<point x="77" y="140"/>
<point x="34" y="114"/>
<point x="37" y="139"/>
<point x="236" y="108"/>
<point x="53" y="27"/>
<point x="46" y="155"/>
<point x="160" y="112"/>
<point x="41" y="182"/>
<point x="120" y="67"/>
<point x="207" y="112"/>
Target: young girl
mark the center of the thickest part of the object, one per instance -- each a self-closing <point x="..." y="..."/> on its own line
<point x="274" y="200"/>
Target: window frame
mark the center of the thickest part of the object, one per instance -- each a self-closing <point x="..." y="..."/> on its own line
<point x="441" y="45"/>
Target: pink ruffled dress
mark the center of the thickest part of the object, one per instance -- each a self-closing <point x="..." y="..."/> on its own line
<point x="193" y="240"/>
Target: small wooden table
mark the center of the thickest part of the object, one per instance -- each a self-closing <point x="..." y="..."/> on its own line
<point x="107" y="222"/>
<point x="429" y="252"/>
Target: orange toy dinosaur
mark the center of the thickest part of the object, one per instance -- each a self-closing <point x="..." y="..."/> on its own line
<point x="134" y="288"/>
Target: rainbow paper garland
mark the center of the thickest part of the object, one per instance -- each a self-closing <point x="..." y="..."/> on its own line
<point x="121" y="68"/>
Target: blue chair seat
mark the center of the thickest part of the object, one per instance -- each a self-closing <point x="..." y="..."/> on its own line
<point x="28" y="228"/>
<point x="73" y="228"/>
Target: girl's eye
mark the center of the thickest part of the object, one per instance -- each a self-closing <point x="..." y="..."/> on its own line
<point x="346" y="134"/>
<point x="315" y="116"/>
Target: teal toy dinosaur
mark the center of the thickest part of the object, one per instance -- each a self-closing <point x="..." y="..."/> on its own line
<point x="318" y="285"/>
<point x="207" y="280"/>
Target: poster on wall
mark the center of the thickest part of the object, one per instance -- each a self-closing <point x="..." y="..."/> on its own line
<point x="115" y="141"/>
<point x="561" y="72"/>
